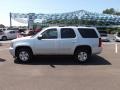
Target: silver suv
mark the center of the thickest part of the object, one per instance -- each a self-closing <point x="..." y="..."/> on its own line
<point x="81" y="42"/>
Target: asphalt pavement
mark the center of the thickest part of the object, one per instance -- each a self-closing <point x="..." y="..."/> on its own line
<point x="101" y="72"/>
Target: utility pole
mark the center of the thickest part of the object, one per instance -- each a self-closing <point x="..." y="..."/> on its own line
<point x="10" y="19"/>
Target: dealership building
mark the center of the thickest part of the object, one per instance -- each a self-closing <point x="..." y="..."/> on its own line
<point x="31" y="18"/>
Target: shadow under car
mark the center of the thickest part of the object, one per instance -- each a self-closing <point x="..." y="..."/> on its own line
<point x="65" y="60"/>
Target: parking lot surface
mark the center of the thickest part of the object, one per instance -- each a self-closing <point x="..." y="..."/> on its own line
<point x="102" y="72"/>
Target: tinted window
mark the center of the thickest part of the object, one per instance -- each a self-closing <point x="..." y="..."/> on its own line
<point x="103" y="33"/>
<point x="12" y="32"/>
<point x="118" y="34"/>
<point x="87" y="33"/>
<point x="50" y="34"/>
<point x="67" y="33"/>
<point x="1" y="31"/>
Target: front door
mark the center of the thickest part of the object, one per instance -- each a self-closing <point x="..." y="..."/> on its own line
<point x="48" y="44"/>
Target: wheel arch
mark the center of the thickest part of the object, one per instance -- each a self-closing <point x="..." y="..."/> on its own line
<point x="26" y="47"/>
<point x="83" y="47"/>
<point x="4" y="36"/>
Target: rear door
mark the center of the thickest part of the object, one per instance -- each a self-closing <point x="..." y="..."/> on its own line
<point x="67" y="41"/>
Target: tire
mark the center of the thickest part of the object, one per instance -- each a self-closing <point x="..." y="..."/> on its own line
<point x="4" y="38"/>
<point x="82" y="55"/>
<point x="24" y="55"/>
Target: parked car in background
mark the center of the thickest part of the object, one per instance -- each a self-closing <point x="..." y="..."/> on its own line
<point x="8" y="34"/>
<point x="27" y="33"/>
<point x="81" y="42"/>
<point x="104" y="36"/>
<point x="3" y="29"/>
<point x="117" y="37"/>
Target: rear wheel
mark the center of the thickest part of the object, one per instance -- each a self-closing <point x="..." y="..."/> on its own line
<point x="24" y="55"/>
<point x="82" y="55"/>
<point x="4" y="38"/>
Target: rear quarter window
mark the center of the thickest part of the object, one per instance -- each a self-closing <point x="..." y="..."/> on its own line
<point x="87" y="33"/>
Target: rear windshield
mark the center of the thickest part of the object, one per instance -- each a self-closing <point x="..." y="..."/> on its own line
<point x="118" y="34"/>
<point x="87" y="33"/>
<point x="103" y="33"/>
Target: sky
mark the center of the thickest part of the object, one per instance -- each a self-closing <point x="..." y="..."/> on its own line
<point x="51" y="7"/>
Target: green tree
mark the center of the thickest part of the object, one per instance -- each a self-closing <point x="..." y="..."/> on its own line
<point x="2" y="26"/>
<point x="111" y="11"/>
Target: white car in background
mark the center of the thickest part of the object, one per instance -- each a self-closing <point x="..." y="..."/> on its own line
<point x="104" y="36"/>
<point x="8" y="34"/>
<point x="117" y="37"/>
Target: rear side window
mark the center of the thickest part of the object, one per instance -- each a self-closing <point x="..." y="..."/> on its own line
<point x="67" y="33"/>
<point x="87" y="33"/>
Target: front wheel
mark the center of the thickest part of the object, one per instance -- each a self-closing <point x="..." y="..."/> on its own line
<point x="4" y="38"/>
<point x="82" y="55"/>
<point x="24" y="55"/>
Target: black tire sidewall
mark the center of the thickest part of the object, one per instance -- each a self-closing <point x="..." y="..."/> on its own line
<point x="26" y="50"/>
<point x="4" y="38"/>
<point x="82" y="50"/>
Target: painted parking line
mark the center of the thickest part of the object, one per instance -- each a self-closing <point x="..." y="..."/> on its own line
<point x="115" y="45"/>
<point x="116" y="48"/>
<point x="9" y="41"/>
<point x="110" y="43"/>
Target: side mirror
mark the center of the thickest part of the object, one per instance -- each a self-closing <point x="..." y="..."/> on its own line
<point x="40" y="37"/>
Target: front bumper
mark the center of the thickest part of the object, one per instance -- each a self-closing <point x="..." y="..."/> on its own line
<point x="12" y="51"/>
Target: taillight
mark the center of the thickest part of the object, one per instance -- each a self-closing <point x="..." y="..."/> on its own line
<point x="100" y="42"/>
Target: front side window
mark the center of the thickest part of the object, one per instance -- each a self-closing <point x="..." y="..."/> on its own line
<point x="50" y="34"/>
<point x="67" y="33"/>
